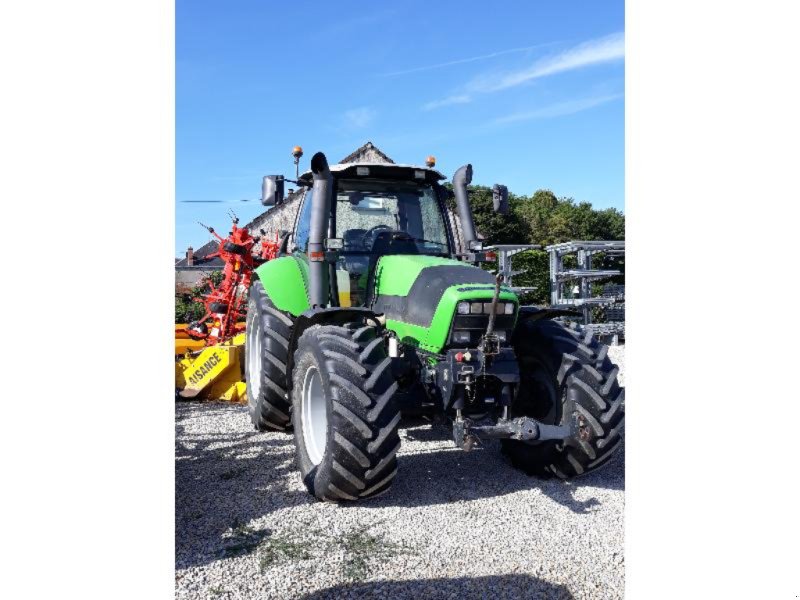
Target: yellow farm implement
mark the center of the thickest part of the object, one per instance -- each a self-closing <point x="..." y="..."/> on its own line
<point x="209" y="372"/>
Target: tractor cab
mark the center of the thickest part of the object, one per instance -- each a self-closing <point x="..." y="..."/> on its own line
<point x="377" y="210"/>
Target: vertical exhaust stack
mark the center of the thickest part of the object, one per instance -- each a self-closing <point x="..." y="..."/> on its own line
<point x="320" y="216"/>
<point x="461" y="179"/>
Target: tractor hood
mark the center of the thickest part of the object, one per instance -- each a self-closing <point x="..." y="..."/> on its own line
<point x="418" y="294"/>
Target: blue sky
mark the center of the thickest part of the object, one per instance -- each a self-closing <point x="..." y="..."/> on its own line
<point x="530" y="93"/>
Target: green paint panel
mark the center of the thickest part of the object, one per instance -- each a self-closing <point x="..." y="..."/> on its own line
<point x="434" y="338"/>
<point x="285" y="280"/>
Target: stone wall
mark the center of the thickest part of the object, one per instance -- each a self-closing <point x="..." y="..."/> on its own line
<point x="277" y="218"/>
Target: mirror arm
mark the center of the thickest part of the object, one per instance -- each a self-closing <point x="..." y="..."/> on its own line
<point x="299" y="182"/>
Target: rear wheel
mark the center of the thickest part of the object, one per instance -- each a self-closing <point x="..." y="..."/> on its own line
<point x="566" y="376"/>
<point x="344" y="413"/>
<point x="266" y="350"/>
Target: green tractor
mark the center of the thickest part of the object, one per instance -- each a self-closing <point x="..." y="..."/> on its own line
<point x="369" y="312"/>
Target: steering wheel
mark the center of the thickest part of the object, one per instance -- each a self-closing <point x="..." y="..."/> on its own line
<point x="373" y="232"/>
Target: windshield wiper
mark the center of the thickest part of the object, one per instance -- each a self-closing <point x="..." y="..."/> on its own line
<point x="419" y="239"/>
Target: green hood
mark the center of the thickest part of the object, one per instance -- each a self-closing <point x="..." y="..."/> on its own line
<point x="418" y="294"/>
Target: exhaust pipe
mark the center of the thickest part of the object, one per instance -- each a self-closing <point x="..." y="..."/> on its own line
<point x="320" y="216"/>
<point x="461" y="179"/>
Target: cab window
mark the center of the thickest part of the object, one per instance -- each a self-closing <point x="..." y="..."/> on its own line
<point x="303" y="228"/>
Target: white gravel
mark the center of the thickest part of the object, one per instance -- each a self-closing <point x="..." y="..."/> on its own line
<point x="454" y="525"/>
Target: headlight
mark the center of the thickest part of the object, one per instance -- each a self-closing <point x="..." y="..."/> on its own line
<point x="503" y="308"/>
<point x="502" y="335"/>
<point x="484" y="308"/>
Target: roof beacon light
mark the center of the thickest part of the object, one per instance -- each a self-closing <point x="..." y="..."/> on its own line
<point x="297" y="152"/>
<point x="430" y="162"/>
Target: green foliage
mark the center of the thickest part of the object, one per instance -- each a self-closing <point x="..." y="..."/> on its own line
<point x="186" y="308"/>
<point x="504" y="229"/>
<point x="545" y="219"/>
<point x="554" y="220"/>
<point x="537" y="274"/>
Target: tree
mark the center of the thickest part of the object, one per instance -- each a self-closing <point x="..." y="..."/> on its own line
<point x="187" y="309"/>
<point x="543" y="219"/>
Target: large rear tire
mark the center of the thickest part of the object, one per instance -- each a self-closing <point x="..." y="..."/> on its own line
<point x="266" y="350"/>
<point x="345" y="414"/>
<point x="566" y="376"/>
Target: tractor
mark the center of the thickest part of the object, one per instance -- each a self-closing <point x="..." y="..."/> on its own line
<point x="370" y="311"/>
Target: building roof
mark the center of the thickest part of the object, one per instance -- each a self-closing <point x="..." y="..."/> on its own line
<point x="200" y="260"/>
<point x="367" y="153"/>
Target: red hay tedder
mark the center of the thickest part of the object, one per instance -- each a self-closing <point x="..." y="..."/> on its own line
<point x="225" y="303"/>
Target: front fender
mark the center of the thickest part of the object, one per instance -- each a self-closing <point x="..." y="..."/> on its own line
<point x="285" y="281"/>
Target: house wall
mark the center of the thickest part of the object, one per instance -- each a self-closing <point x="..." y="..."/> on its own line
<point x="186" y="279"/>
<point x="277" y="218"/>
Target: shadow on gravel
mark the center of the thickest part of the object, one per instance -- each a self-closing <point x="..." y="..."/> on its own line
<point x="449" y="475"/>
<point x="224" y="480"/>
<point x="495" y="586"/>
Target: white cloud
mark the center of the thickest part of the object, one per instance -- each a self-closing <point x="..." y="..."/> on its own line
<point x="462" y="61"/>
<point x="593" y="52"/>
<point x="450" y="100"/>
<point x="557" y="110"/>
<point x="358" y="118"/>
<point x="602" y="50"/>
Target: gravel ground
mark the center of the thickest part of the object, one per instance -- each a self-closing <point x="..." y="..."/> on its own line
<point x="454" y="525"/>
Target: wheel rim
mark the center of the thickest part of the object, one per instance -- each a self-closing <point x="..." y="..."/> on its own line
<point x="315" y="416"/>
<point x="254" y="358"/>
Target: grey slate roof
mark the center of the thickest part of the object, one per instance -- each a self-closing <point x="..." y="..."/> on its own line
<point x="200" y="262"/>
<point x="367" y="153"/>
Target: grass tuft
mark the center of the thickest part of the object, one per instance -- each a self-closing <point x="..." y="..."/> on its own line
<point x="361" y="547"/>
<point x="282" y="549"/>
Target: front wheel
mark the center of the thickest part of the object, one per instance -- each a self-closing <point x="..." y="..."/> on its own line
<point x="344" y="412"/>
<point x="567" y="378"/>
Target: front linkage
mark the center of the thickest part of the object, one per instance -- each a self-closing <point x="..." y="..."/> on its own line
<point x="460" y="370"/>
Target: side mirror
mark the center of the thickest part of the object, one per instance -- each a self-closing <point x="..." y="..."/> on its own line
<point x="500" y="198"/>
<point x="272" y="190"/>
